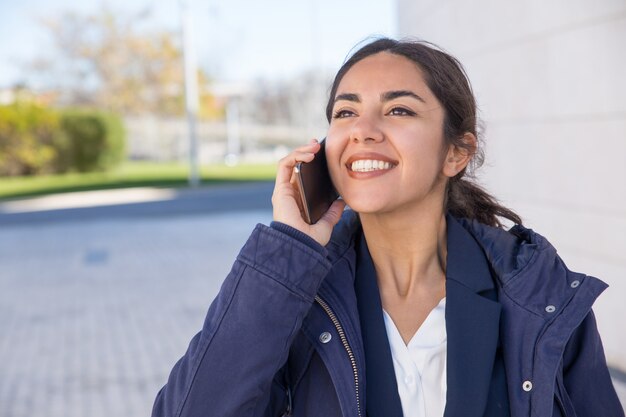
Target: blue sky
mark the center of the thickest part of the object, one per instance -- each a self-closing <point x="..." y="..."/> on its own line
<point x="236" y="40"/>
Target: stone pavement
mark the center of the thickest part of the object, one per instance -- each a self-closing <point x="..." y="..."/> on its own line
<point x="93" y="314"/>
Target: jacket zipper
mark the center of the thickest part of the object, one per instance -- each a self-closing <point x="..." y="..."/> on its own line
<point x="346" y="346"/>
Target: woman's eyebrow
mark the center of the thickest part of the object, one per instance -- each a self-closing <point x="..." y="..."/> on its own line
<point x="348" y="97"/>
<point x="390" y="95"/>
<point x="387" y="96"/>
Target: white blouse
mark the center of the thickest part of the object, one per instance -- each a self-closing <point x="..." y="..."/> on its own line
<point x="420" y="366"/>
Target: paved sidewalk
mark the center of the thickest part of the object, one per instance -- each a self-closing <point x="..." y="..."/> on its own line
<point x="93" y="315"/>
<point x="84" y="199"/>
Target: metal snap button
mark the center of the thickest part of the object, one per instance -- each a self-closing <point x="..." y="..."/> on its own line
<point x="550" y="309"/>
<point x="325" y="337"/>
<point x="575" y="284"/>
<point x="527" y="386"/>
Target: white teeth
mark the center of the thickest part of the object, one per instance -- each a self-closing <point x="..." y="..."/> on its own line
<point x="366" y="165"/>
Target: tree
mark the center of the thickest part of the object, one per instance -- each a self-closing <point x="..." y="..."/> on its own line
<point x="106" y="60"/>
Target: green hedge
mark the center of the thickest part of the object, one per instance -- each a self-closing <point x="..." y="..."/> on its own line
<point x="35" y="140"/>
<point x="96" y="140"/>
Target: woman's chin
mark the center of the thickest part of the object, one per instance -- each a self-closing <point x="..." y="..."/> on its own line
<point x="365" y="207"/>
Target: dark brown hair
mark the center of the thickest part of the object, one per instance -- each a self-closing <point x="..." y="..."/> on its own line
<point x="448" y="81"/>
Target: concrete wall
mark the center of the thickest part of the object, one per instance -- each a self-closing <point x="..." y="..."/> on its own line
<point x="550" y="78"/>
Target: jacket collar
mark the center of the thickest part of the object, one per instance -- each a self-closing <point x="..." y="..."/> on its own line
<point x="472" y="323"/>
<point x="381" y="389"/>
<point x="466" y="263"/>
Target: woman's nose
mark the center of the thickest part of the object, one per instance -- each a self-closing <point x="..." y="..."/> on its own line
<point x="365" y="129"/>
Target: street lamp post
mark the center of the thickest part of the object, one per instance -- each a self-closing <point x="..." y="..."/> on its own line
<point x="233" y="143"/>
<point x="191" y="92"/>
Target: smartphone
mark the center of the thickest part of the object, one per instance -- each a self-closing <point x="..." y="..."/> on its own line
<point x="316" y="188"/>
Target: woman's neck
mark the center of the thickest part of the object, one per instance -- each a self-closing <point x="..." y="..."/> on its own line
<point x="408" y="251"/>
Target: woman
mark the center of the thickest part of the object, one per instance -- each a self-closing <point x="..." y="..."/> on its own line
<point x="415" y="301"/>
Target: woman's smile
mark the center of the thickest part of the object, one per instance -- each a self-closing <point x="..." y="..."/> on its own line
<point x="369" y="164"/>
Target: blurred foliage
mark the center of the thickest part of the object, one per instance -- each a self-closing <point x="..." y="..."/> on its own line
<point x="95" y="140"/>
<point x="110" y="60"/>
<point x="36" y="140"/>
<point x="31" y="140"/>
<point x="209" y="106"/>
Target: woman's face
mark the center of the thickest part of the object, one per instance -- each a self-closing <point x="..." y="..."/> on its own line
<point x="385" y="146"/>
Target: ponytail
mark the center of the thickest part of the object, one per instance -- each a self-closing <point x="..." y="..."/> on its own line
<point x="469" y="200"/>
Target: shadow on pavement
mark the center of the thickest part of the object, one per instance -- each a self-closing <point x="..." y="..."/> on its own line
<point x="213" y="199"/>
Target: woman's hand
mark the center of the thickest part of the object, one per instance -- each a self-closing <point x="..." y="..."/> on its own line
<point x="286" y="200"/>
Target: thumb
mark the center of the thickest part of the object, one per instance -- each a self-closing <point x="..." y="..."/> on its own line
<point x="333" y="214"/>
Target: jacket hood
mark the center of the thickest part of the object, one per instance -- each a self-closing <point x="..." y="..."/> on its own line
<point x="509" y="252"/>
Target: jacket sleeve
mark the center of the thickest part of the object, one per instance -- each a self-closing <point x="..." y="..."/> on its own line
<point x="229" y="366"/>
<point x="586" y="376"/>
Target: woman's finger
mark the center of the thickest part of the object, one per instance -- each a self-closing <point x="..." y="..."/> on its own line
<point x="285" y="165"/>
<point x="296" y="192"/>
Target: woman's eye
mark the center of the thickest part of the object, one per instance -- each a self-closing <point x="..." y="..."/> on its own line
<point x="401" y="111"/>
<point x="340" y="114"/>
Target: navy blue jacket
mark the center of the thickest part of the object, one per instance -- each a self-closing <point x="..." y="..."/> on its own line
<point x="283" y="336"/>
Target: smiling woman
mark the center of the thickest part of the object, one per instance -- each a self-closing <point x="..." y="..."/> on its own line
<point x="415" y="300"/>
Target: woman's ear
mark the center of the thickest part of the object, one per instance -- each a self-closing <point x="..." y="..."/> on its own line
<point x="458" y="157"/>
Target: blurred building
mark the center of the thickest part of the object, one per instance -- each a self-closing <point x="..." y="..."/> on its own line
<point x="549" y="79"/>
<point x="266" y="116"/>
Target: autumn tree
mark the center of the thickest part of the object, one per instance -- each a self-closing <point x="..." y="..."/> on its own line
<point x="111" y="60"/>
